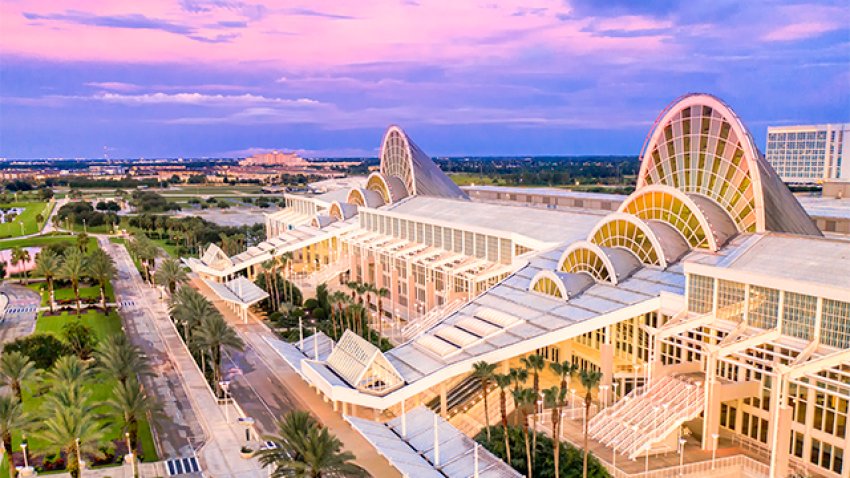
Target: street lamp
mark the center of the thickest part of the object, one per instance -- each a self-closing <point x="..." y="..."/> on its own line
<point x="682" y="442"/>
<point x="131" y="454"/>
<point x="224" y="384"/>
<point x="79" y="460"/>
<point x="24" y="449"/>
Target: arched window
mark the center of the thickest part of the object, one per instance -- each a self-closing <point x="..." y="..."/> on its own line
<point x="631" y="234"/>
<point x="589" y="259"/>
<point x="547" y="286"/>
<point x="673" y="207"/>
<point x="377" y="183"/>
<point x="397" y="158"/>
<point x="700" y="146"/>
<point x="356" y="197"/>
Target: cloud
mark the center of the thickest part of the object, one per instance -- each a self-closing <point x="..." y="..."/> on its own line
<point x="114" y="85"/>
<point x="200" y="99"/>
<point x="800" y="31"/>
<point x="131" y="21"/>
<point x="307" y="12"/>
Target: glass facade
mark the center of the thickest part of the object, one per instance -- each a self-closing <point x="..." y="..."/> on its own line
<point x="807" y="154"/>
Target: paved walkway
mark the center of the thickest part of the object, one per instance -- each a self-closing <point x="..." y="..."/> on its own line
<point x="279" y="383"/>
<point x="219" y="454"/>
<point x="20" y="313"/>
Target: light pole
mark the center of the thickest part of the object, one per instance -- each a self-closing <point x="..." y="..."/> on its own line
<point x="714" y="436"/>
<point x="131" y="454"/>
<point x="22" y="228"/>
<point x="224" y="384"/>
<point x="614" y="386"/>
<point x="24" y="450"/>
<point x="79" y="460"/>
<point x="604" y="390"/>
<point x="682" y="442"/>
<point x="84" y="226"/>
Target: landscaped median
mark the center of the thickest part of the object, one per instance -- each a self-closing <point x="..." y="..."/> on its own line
<point x="76" y="380"/>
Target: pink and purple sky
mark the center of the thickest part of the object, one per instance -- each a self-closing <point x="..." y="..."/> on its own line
<point x="167" y="78"/>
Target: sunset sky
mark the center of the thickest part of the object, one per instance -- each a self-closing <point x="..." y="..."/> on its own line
<point x="167" y="78"/>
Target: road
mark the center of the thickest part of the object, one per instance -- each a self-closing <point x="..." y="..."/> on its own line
<point x="186" y="388"/>
<point x="180" y="427"/>
<point x="268" y="387"/>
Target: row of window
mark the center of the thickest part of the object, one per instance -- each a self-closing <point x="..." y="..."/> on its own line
<point x="484" y="246"/>
<point x="799" y="311"/>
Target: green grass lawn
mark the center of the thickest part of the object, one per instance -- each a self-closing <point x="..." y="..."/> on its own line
<point x="100" y="387"/>
<point x="67" y="293"/>
<point x="27" y="217"/>
<point x="468" y="179"/>
<point x="44" y="240"/>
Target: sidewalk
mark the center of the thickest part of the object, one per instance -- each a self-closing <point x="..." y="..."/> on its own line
<point x="304" y="397"/>
<point x="219" y="456"/>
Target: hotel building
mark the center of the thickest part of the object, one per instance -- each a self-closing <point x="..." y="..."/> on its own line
<point x="809" y="154"/>
<point x="708" y="299"/>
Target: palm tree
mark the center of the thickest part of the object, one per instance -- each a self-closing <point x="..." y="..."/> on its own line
<point x="564" y="370"/>
<point x="213" y="334"/>
<point x="47" y="264"/>
<point x="189" y="307"/>
<point x="73" y="268"/>
<point x="553" y="397"/>
<point x="117" y="357"/>
<point x="380" y="293"/>
<point x="130" y="404"/>
<point x="21" y="256"/>
<point x="12" y="419"/>
<point x="268" y="269"/>
<point x="484" y="371"/>
<point x="16" y="372"/>
<point x="306" y="449"/>
<point x="83" y="242"/>
<point x="535" y="363"/>
<point x="518" y="378"/>
<point x="589" y="380"/>
<point x="285" y="260"/>
<point x="171" y="274"/>
<point x="503" y="381"/>
<point x="336" y="300"/>
<point x="100" y="267"/>
<point x="68" y="371"/>
<point x="72" y="427"/>
<point x="524" y="398"/>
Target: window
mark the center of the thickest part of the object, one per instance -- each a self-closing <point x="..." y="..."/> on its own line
<point x="700" y="294"/>
<point x="730" y="300"/>
<point x="798" y="319"/>
<point x="764" y="307"/>
<point x="835" y="323"/>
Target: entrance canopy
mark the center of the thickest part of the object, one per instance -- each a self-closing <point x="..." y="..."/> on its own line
<point x="239" y="291"/>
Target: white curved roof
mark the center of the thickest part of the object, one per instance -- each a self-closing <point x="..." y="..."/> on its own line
<point x="700" y="146"/>
<point x="569" y="284"/>
<point x="403" y="159"/>
<point x="367" y="197"/>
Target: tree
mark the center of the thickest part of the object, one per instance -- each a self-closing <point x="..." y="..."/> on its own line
<point x="306" y="449"/>
<point x="21" y="256"/>
<point x="523" y="399"/>
<point x="285" y="260"/>
<point x="552" y="398"/>
<point x="72" y="425"/>
<point x="72" y="270"/>
<point x="100" y="267"/>
<point x="47" y="265"/>
<point x="503" y="381"/>
<point x="80" y="338"/>
<point x="16" y="372"/>
<point x="83" y="242"/>
<point x="534" y="363"/>
<point x="130" y="404"/>
<point x="118" y="358"/>
<point x="188" y="308"/>
<point x="171" y="274"/>
<point x="380" y="293"/>
<point x="484" y="371"/>
<point x="213" y="334"/>
<point x="12" y="419"/>
<point x="68" y="372"/>
<point x="338" y="299"/>
<point x="589" y="380"/>
<point x="46" y="349"/>
<point x="518" y="378"/>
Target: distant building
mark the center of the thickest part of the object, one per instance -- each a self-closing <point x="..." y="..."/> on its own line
<point x="809" y="154"/>
<point x="275" y="158"/>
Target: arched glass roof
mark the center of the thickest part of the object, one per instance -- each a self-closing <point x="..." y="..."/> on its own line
<point x="632" y="234"/>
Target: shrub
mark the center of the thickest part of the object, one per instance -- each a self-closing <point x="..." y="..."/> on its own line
<point x="80" y="338"/>
<point x="42" y="349"/>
